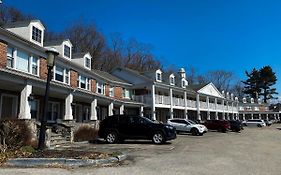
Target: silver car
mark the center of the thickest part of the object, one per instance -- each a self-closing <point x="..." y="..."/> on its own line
<point x="255" y="122"/>
<point x="185" y="125"/>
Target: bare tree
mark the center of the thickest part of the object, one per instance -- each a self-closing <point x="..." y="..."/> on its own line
<point x="222" y="79"/>
<point x="11" y="14"/>
<point x="237" y="89"/>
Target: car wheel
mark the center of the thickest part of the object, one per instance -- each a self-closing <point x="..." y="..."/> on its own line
<point x="158" y="137"/>
<point x="200" y="134"/>
<point x="178" y="132"/>
<point x="194" y="132"/>
<point x="259" y="125"/>
<point x="111" y="137"/>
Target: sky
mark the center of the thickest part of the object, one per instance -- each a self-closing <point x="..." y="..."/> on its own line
<point x="232" y="35"/>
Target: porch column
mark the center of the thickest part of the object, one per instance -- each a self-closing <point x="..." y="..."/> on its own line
<point x="198" y="106"/>
<point x="252" y="115"/>
<point x="259" y="116"/>
<point x="223" y="110"/>
<point x="110" y="109"/>
<point x="171" y="106"/>
<point x="24" y="103"/>
<point x="208" y="107"/>
<point x="141" y="111"/>
<point x="153" y="112"/>
<point x="266" y="116"/>
<point x="121" y="110"/>
<point x="216" y="107"/>
<point x="68" y="109"/>
<point x="274" y="116"/>
<point x="185" y="105"/>
<point x="94" y="105"/>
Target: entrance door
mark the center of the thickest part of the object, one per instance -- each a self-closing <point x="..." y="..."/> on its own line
<point x="78" y="113"/>
<point x="8" y="106"/>
<point x="53" y="111"/>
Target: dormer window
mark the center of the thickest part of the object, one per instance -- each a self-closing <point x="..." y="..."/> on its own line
<point x="172" y="80"/>
<point x="36" y="34"/>
<point x="88" y="62"/>
<point x="66" y="51"/>
<point x="183" y="83"/>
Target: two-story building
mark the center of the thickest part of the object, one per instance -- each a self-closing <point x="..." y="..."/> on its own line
<point x="170" y="96"/>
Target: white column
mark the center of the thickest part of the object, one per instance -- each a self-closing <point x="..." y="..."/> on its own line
<point x="216" y="107"/>
<point x="171" y="106"/>
<point x="121" y="109"/>
<point x="153" y="112"/>
<point x="259" y="116"/>
<point x="185" y="105"/>
<point x="24" y="103"/>
<point x="208" y="107"/>
<point x="110" y="109"/>
<point x="198" y="106"/>
<point x="68" y="108"/>
<point x="141" y="111"/>
<point x="266" y="116"/>
<point x="94" y="105"/>
<point x="244" y="118"/>
<point x="252" y="116"/>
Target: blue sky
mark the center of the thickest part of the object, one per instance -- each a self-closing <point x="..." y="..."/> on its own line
<point x="234" y="35"/>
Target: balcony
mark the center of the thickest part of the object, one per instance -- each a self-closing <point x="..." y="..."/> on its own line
<point x="191" y="103"/>
<point x="178" y="101"/>
<point x="162" y="99"/>
<point x="146" y="99"/>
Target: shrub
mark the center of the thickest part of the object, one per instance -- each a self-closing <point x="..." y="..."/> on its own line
<point x="85" y="133"/>
<point x="14" y="134"/>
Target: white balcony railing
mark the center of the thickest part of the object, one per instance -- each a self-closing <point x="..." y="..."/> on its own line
<point x="203" y="105"/>
<point x="191" y="103"/>
<point x="178" y="101"/>
<point x="146" y="99"/>
<point x="162" y="99"/>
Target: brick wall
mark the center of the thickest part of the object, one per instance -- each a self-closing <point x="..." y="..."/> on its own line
<point x="73" y="78"/>
<point x="94" y="85"/>
<point x="3" y="54"/>
<point x="43" y="72"/>
<point x="107" y="90"/>
<point x="118" y="92"/>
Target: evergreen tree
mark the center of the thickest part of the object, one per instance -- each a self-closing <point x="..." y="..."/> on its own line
<point x="267" y="79"/>
<point x="260" y="82"/>
<point x="252" y="84"/>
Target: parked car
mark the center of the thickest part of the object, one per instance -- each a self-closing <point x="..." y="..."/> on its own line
<point x="255" y="122"/>
<point x="268" y="122"/>
<point x="117" y="128"/>
<point x="184" y="125"/>
<point x="219" y="125"/>
<point x="235" y="125"/>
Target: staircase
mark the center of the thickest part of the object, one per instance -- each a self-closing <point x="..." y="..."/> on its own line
<point x="57" y="140"/>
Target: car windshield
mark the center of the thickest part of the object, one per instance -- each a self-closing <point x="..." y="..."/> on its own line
<point x="192" y="122"/>
<point x="147" y="119"/>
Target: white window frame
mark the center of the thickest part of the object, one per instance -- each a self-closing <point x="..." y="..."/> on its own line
<point x="87" y="83"/>
<point x="100" y="86"/>
<point x="172" y="80"/>
<point x="65" y="45"/>
<point x="64" y="75"/>
<point x="85" y="62"/>
<point x="30" y="61"/>
<point x="111" y="91"/>
<point x="32" y="34"/>
<point x="183" y="83"/>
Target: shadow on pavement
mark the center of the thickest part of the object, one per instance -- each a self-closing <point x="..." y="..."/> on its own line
<point x="147" y="142"/>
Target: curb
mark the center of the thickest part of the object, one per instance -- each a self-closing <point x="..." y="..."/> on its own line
<point x="34" y="162"/>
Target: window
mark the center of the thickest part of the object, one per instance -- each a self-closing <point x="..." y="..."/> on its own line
<point x="158" y="77"/>
<point x="34" y="106"/>
<point x="100" y="88"/>
<point x="66" y="51"/>
<point x="111" y="91"/>
<point x="36" y="34"/>
<point x="183" y="83"/>
<point x="22" y="61"/>
<point x="61" y="74"/>
<point x="10" y="57"/>
<point x="83" y="82"/>
<point x="88" y="62"/>
<point x="172" y="80"/>
<point x="126" y="93"/>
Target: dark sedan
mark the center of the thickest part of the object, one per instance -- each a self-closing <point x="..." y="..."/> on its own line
<point x="235" y="125"/>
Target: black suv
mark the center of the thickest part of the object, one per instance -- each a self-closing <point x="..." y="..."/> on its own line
<point x="117" y="128"/>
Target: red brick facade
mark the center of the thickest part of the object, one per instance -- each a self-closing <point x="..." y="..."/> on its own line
<point x="3" y="54"/>
<point x="118" y="92"/>
<point x="73" y="78"/>
<point x="94" y="85"/>
<point x="107" y="90"/>
<point x="43" y="72"/>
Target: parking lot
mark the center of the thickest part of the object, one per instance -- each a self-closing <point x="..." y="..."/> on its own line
<point x="253" y="151"/>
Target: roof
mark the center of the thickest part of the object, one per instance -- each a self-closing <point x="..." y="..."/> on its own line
<point x="79" y="55"/>
<point x="108" y="76"/>
<point x="54" y="42"/>
<point x="197" y="87"/>
<point x="19" y="23"/>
